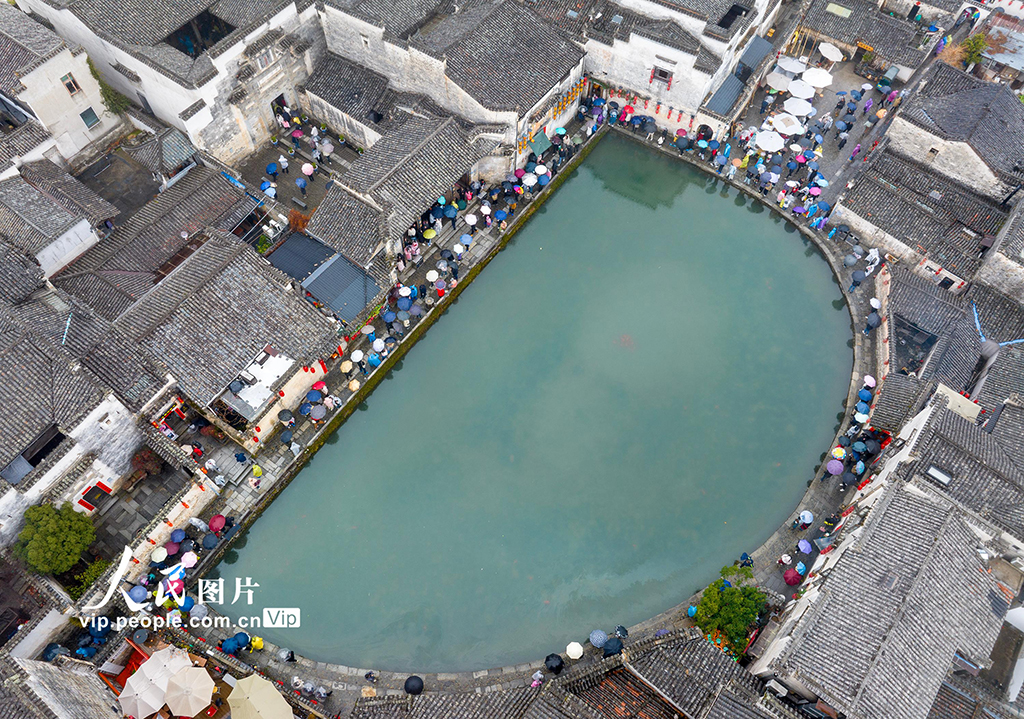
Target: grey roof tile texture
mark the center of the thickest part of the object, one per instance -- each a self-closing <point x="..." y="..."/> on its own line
<point x="913" y="591"/>
<point x="164" y="152"/>
<point x="349" y="225"/>
<point x="893" y="38"/>
<point x="31" y="219"/>
<point x="69" y="193"/>
<point x="24" y="44"/>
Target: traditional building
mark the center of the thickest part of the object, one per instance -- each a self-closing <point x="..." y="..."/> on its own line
<point x="44" y="80"/>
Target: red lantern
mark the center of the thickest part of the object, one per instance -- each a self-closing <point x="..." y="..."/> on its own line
<point x="657" y="110"/>
<point x="646" y="103"/>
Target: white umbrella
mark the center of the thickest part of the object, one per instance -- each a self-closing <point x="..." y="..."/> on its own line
<point x="529" y="179"/>
<point x="798" y="107"/>
<point x="432" y="276"/>
<point x="791" y="64"/>
<point x="485" y="209"/>
<point x="817" y="77"/>
<point x="367" y="330"/>
<point x="470" y="219"/>
<point x="147" y="687"/>
<point x="378" y="345"/>
<point x="189" y="691"/>
<point x="256" y="698"/>
<point x="357" y="355"/>
<point x="458" y="249"/>
<point x="830" y="52"/>
<point x="574" y="650"/>
<point x="801" y="89"/>
<point x="140" y="698"/>
<point x="770" y="141"/>
<point x="778" y="81"/>
<point x="786" y="124"/>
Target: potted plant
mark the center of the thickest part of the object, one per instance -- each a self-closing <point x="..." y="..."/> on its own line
<point x="305" y="117"/>
<point x="273" y="139"/>
<point x="214" y="433"/>
<point x="323" y="127"/>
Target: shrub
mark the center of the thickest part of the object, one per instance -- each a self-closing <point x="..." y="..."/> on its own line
<point x="112" y="99"/>
<point x="973" y="47"/>
<point x="730" y="610"/>
<point x="87" y="578"/>
<point x="53" y="540"/>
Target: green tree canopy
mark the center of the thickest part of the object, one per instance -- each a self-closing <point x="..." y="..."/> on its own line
<point x="730" y="610"/>
<point x="53" y="540"/>
<point x="973" y="47"/>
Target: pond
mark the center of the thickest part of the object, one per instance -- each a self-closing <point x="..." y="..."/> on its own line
<point x="632" y="394"/>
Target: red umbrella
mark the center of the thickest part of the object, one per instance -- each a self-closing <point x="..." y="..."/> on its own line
<point x="792" y="577"/>
<point x="296" y="133"/>
<point x="171" y="547"/>
<point x="628" y="109"/>
<point x="217" y="522"/>
<point x="519" y="173"/>
<point x="320" y="386"/>
<point x="681" y="132"/>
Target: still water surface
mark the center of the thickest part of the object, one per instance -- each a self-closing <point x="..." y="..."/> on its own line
<point x="632" y="394"/>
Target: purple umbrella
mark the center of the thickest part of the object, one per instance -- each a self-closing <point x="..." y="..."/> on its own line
<point x="834" y="467"/>
<point x="440" y="284"/>
<point x="805" y="546"/>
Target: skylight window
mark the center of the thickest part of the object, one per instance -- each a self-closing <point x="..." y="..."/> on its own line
<point x="200" y="34"/>
<point x="939" y="475"/>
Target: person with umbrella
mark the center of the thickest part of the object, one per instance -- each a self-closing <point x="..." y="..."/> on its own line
<point x="301" y="183"/>
<point x="858" y="277"/>
<point x="272" y="170"/>
<point x="843" y="137"/>
<point x="873" y="321"/>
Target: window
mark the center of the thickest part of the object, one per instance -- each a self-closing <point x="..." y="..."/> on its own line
<point x="661" y="75"/>
<point x="70" y="84"/>
<point x="89" y="118"/>
<point x="265" y="59"/>
<point x="939" y="475"/>
<point x="366" y="40"/>
<point x="933" y="153"/>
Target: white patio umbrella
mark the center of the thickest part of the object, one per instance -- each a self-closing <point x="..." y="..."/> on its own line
<point x="801" y="89"/>
<point x="770" y="141"/>
<point x="786" y="124"/>
<point x="140" y="698"/>
<point x="574" y="650"/>
<point x="791" y="64"/>
<point x="817" y="77"/>
<point x="256" y="698"/>
<point x="830" y="52"/>
<point x="189" y="691"/>
<point x="148" y="686"/>
<point x="778" y="81"/>
<point x="798" y="107"/>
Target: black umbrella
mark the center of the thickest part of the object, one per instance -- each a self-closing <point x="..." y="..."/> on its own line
<point x="621" y="632"/>
<point x="849" y="478"/>
<point x="285" y="415"/>
<point x="804" y="142"/>
<point x="873" y="321"/>
<point x="286" y="437"/>
<point x="414" y="685"/>
<point x="187" y="546"/>
<point x="210" y="541"/>
<point x="859" y="276"/>
<point x="777" y="158"/>
<point x="612" y="647"/>
<point x="874" y="447"/>
<point x="447" y="254"/>
<point x="554" y="664"/>
<point x="844" y="441"/>
<point x="849" y="119"/>
<point x="777" y="169"/>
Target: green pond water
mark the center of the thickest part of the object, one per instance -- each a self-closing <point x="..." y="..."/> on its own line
<point x="632" y="394"/>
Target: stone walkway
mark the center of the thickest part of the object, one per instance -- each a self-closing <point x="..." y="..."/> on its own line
<point x="347" y="683"/>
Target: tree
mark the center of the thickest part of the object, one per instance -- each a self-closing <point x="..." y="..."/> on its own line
<point x="112" y="99"/>
<point x="297" y="221"/>
<point x="953" y="55"/>
<point x="87" y="578"/>
<point x="53" y="540"/>
<point x="973" y="47"/>
<point x="730" y="610"/>
<point x="148" y="461"/>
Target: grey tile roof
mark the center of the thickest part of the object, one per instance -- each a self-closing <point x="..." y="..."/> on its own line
<point x="987" y="116"/>
<point x="344" y="287"/>
<point x="29" y="218"/>
<point x="898" y="399"/>
<point x="68" y="191"/>
<point x="20" y="274"/>
<point x="24" y="45"/>
<point x="959" y="698"/>
<point x="38" y="388"/>
<point x="507" y="704"/>
<point x="399" y="19"/>
<point x="406" y="170"/>
<point x="911" y="591"/>
<point x="351" y="88"/>
<point x="892" y="38"/>
<point x="351" y="226"/>
<point x="503" y="55"/>
<point x="299" y="256"/>
<point x="217" y="310"/>
<point x="112" y="275"/>
<point x="164" y="152"/>
<point x="925" y="208"/>
<point x="21" y="140"/>
<point x="1012" y="246"/>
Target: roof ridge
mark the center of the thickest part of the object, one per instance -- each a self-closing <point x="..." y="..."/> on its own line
<point x="430" y="136"/>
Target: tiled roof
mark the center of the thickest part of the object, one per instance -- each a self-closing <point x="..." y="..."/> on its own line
<point x="29" y="218"/>
<point x="892" y="38"/>
<point x="24" y="45"/>
<point x="217" y="310"/>
<point x="503" y="55"/>
<point x="899" y="397"/>
<point x="351" y="88"/>
<point x="399" y="19"/>
<point x="987" y="116"/>
<point x="115" y="273"/>
<point x="406" y="170"/>
<point x="507" y="704"/>
<point x="1012" y="246"/>
<point x="21" y="140"/>
<point x="349" y="225"/>
<point x="911" y="592"/>
<point x="68" y="191"/>
<point x="956" y="700"/>
<point x="38" y="389"/>
<point x="20" y="274"/>
<point x="164" y="152"/>
<point x="927" y="209"/>
<point x="299" y="256"/>
<point x="344" y="287"/>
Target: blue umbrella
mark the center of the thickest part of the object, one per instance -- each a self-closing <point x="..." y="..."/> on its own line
<point x="404" y="303"/>
<point x="721" y="159"/>
<point x="856" y="94"/>
<point x="851" y="106"/>
<point x="841" y="93"/>
<point x="859" y="468"/>
<point x="270" y="192"/>
<point x="389" y="316"/>
<point x="801" y="568"/>
<point x="598" y="101"/>
<point x="187" y="604"/>
<point x="300" y="181"/>
<point x="824" y="207"/>
<point x="598" y="638"/>
<point x="530" y="166"/>
<point x="864" y="394"/>
<point x="441" y="200"/>
<point x="791" y="165"/>
<point x="271" y="168"/>
<point x="500" y="215"/>
<point x="543" y="180"/>
<point x="714" y="144"/>
<point x="840" y="125"/>
<point x="264" y="185"/>
<point x="137" y="593"/>
<point x="691" y="611"/>
<point x="210" y="541"/>
<point x="305" y="408"/>
<point x="465" y="239"/>
<point x="863" y="407"/>
<point x="776" y="169"/>
<point x="819" y="139"/>
<point x="450" y="211"/>
<point x="812" y="166"/>
<point x="859" y="447"/>
<point x="286" y="436"/>
<point x="702" y="144"/>
<point x="436" y="213"/>
<point x="637" y="119"/>
<point x="313" y="396"/>
<point x="178" y="535"/>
